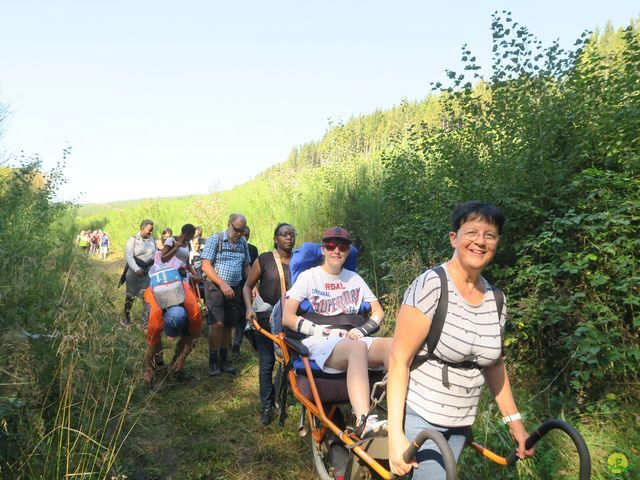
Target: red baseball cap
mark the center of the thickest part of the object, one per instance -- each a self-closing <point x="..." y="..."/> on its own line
<point x="337" y="233"/>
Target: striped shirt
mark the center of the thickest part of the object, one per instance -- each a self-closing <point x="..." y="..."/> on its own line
<point x="230" y="262"/>
<point x="470" y="333"/>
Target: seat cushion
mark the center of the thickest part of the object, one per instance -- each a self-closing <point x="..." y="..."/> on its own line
<point x="331" y="390"/>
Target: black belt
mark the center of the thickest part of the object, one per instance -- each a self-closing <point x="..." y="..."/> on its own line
<point x="467" y="365"/>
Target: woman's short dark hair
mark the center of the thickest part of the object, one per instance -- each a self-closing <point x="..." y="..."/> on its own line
<point x="188" y="229"/>
<point x="474" y="209"/>
<point x="144" y="223"/>
<point x="277" y="231"/>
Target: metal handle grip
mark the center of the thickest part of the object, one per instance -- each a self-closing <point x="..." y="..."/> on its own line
<point x="581" y="446"/>
<point x="442" y="444"/>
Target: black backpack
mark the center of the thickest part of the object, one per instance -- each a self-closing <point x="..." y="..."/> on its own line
<point x="437" y="324"/>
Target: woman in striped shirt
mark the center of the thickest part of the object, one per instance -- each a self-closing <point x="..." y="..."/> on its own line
<point x="442" y="391"/>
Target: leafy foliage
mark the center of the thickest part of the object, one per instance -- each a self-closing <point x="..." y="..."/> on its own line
<point x="578" y="288"/>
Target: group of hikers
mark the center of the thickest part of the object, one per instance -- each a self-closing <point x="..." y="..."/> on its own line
<point x="446" y="345"/>
<point x="94" y="242"/>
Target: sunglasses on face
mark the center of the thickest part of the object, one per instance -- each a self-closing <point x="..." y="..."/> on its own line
<point x="237" y="230"/>
<point x="331" y="246"/>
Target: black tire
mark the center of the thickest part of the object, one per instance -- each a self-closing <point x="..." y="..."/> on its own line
<point x="329" y="449"/>
<point x="321" y="458"/>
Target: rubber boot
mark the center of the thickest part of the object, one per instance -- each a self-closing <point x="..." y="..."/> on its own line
<point x="224" y="362"/>
<point x="214" y="365"/>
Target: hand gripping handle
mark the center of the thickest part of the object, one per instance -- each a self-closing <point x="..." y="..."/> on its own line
<point x="442" y="444"/>
<point x="581" y="446"/>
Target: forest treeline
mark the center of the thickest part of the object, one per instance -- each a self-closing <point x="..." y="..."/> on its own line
<point x="548" y="134"/>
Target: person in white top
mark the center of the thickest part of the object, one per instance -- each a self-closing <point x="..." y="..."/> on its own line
<point x="180" y="247"/>
<point x="442" y="392"/>
<point x="333" y="291"/>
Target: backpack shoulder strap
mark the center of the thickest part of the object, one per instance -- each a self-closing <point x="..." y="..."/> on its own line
<point x="437" y="321"/>
<point x="219" y="245"/>
<point x="276" y="257"/>
<point x="499" y="296"/>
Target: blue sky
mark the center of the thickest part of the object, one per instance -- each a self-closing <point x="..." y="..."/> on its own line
<point x="170" y="98"/>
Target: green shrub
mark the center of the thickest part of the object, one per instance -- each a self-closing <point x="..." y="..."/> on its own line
<point x="577" y="291"/>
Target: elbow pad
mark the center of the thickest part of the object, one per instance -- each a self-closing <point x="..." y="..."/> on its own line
<point x="369" y="328"/>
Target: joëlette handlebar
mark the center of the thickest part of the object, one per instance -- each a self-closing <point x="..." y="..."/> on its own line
<point x="442" y="444"/>
<point x="581" y="446"/>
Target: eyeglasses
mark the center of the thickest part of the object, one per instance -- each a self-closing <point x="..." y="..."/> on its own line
<point x="236" y="229"/>
<point x="490" y="238"/>
<point x="331" y="246"/>
<point x="287" y="234"/>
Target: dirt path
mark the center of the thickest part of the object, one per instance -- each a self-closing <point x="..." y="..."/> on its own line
<point x="203" y="427"/>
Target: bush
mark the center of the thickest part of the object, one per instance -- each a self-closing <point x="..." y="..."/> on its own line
<point x="577" y="292"/>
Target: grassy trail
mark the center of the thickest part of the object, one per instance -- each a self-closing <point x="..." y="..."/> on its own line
<point x="207" y="428"/>
<point x="203" y="427"/>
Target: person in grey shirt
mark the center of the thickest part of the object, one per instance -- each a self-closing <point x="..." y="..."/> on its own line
<point x="139" y="252"/>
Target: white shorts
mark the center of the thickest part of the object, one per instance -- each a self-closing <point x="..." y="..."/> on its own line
<point x="321" y="348"/>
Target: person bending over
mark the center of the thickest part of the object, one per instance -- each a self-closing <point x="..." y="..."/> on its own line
<point x="179" y="321"/>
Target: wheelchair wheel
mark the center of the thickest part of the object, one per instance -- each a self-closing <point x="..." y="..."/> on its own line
<point x="330" y="457"/>
<point x="377" y="447"/>
<point x="322" y="458"/>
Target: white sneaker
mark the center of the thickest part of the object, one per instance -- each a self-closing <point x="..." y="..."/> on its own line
<point x="371" y="425"/>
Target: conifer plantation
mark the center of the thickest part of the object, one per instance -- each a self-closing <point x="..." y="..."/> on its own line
<point x="552" y="136"/>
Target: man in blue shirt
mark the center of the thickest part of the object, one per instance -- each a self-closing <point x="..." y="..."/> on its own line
<point x="225" y="259"/>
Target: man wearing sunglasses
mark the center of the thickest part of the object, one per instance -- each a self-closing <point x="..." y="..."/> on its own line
<point x="225" y="259"/>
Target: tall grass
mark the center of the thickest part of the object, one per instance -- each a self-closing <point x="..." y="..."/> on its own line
<point x="67" y="380"/>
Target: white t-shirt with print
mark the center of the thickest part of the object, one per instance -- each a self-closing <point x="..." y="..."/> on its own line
<point x="331" y="294"/>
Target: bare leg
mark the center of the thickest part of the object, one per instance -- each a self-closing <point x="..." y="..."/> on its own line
<point x="351" y="355"/>
<point x="215" y="336"/>
<point x="379" y="352"/>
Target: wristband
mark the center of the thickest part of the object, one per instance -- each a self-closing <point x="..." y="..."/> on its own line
<point x="511" y="418"/>
<point x="370" y="327"/>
